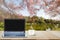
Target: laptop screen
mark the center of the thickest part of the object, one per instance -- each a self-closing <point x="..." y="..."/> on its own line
<point x="14" y="25"/>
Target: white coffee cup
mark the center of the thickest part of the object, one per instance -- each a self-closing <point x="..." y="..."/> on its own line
<point x="31" y="32"/>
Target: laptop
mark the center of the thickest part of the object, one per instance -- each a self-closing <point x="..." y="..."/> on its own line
<point x="14" y="28"/>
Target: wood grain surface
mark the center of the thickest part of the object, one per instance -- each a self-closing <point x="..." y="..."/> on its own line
<point x="39" y="35"/>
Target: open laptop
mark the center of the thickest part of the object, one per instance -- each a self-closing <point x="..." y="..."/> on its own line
<point x="14" y="28"/>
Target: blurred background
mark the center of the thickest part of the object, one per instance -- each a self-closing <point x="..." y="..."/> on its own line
<point x="40" y="15"/>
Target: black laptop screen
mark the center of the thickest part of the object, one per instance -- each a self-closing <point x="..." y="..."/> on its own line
<point x="14" y="25"/>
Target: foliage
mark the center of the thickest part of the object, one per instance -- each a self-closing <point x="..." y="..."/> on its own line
<point x="43" y="24"/>
<point x="39" y="24"/>
<point x="1" y="26"/>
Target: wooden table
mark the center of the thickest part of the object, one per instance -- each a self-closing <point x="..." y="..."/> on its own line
<point x="39" y="35"/>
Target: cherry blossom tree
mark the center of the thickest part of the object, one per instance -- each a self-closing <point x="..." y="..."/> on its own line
<point x="49" y="6"/>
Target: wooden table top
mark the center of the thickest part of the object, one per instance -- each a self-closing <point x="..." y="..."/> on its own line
<point x="38" y="35"/>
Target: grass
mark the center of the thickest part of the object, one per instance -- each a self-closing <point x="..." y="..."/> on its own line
<point x="41" y="27"/>
<point x="1" y="26"/>
<point x="36" y="26"/>
<point x="1" y="29"/>
<point x="57" y="29"/>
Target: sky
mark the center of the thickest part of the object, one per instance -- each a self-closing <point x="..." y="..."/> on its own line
<point x="25" y="12"/>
